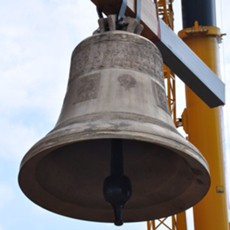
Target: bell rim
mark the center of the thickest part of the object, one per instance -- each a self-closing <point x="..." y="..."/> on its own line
<point x="35" y="159"/>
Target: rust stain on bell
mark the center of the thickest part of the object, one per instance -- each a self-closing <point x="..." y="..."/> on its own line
<point x="115" y="91"/>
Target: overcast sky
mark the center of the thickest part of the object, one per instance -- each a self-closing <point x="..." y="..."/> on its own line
<point x="36" y="41"/>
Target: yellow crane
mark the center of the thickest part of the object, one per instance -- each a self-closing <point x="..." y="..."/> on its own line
<point x="204" y="126"/>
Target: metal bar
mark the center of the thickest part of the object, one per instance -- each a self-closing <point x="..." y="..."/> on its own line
<point x="116" y="158"/>
<point x="148" y="225"/>
<point x="121" y="13"/>
<point x="138" y="9"/>
<point x="189" y="67"/>
<point x="99" y="13"/>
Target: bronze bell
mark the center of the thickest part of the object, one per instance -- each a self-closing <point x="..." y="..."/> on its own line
<point x="115" y="140"/>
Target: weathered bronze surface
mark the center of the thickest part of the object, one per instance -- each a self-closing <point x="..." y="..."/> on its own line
<point x="115" y="91"/>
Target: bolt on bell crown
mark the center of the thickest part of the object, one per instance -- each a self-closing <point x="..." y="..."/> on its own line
<point x="115" y="91"/>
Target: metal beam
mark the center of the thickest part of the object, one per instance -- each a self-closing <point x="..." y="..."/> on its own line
<point x="176" y="54"/>
<point x="190" y="68"/>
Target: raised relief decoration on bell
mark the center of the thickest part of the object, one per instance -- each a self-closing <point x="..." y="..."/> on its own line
<point x="127" y="81"/>
<point x="161" y="96"/>
<point x="87" y="88"/>
<point x="159" y="74"/>
<point x="80" y="61"/>
<point x="125" y="53"/>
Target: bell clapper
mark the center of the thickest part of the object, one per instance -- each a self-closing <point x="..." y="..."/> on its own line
<point x="117" y="187"/>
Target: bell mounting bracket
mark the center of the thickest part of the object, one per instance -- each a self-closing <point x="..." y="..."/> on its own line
<point x="120" y="20"/>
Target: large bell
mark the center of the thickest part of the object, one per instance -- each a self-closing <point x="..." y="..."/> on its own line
<point x="115" y="140"/>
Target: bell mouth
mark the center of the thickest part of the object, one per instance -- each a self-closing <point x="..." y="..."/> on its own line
<point x="69" y="180"/>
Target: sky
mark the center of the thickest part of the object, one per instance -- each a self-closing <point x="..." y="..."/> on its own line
<point x="37" y="38"/>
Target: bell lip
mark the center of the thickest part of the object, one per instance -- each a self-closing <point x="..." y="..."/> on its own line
<point x="34" y="155"/>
